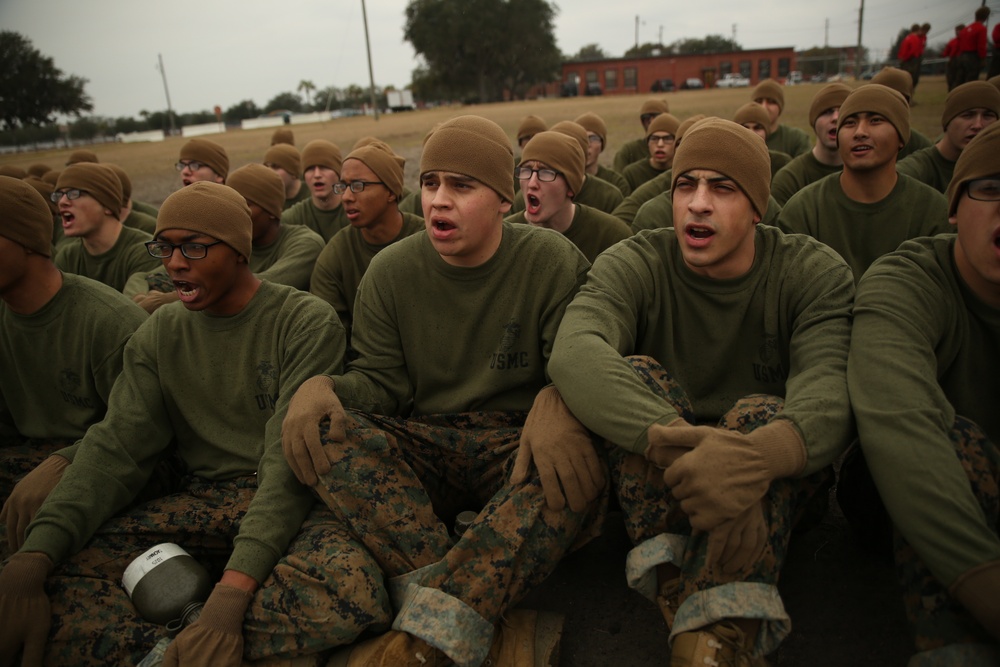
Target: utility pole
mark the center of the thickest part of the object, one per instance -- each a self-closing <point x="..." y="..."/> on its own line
<point x="857" y="56"/>
<point x="826" y="45"/>
<point x="636" y="32"/>
<point x="661" y="35"/>
<point x="734" y="34"/>
<point x="371" y="72"/>
<point x="170" y="111"/>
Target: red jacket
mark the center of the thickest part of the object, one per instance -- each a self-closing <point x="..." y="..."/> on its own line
<point x="951" y="49"/>
<point x="910" y="48"/>
<point x="996" y="36"/>
<point x="973" y="38"/>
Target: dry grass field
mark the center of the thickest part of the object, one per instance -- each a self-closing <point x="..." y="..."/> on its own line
<point x="150" y="165"/>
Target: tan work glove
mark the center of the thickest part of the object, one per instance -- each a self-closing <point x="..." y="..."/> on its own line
<point x="24" y="608"/>
<point x="28" y="495"/>
<point x="727" y="471"/>
<point x="300" y="439"/>
<point x="666" y="443"/>
<point x="738" y="542"/>
<point x="216" y="638"/>
<point x="570" y="470"/>
<point x="979" y="591"/>
<point x="152" y="300"/>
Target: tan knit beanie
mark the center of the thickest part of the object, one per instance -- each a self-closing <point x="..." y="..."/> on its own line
<point x="475" y="147"/>
<point x="829" y="96"/>
<point x="39" y="169"/>
<point x="388" y="166"/>
<point x="283" y="136"/>
<point x="970" y="95"/>
<point x="883" y="100"/>
<point x="124" y="180"/>
<point x="364" y="141"/>
<point x="81" y="156"/>
<point x="285" y="156"/>
<point x="530" y="126"/>
<point x="745" y="158"/>
<point x="752" y="112"/>
<point x="897" y="79"/>
<point x="559" y="152"/>
<point x="207" y="152"/>
<point x="995" y="81"/>
<point x="26" y="218"/>
<point x="99" y="180"/>
<point x="321" y="153"/>
<point x="260" y="185"/>
<point x="978" y="160"/>
<point x="212" y="209"/>
<point x="665" y="122"/>
<point x="685" y="126"/>
<point x="653" y="106"/>
<point x="52" y="177"/>
<point x="12" y="171"/>
<point x="44" y="189"/>
<point x="575" y="131"/>
<point x="591" y="122"/>
<point x="770" y="89"/>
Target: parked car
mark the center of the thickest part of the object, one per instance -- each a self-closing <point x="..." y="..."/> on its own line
<point x="793" y="78"/>
<point x="593" y="88"/>
<point x="692" y="84"/>
<point x="733" y="80"/>
<point x="662" y="86"/>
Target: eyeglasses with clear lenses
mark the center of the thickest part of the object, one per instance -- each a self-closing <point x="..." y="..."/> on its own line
<point x="544" y="175"/>
<point x="594" y="138"/>
<point x="71" y="194"/>
<point x="193" y="165"/>
<point x="341" y="187"/>
<point x="162" y="249"/>
<point x="984" y="189"/>
<point x="661" y="139"/>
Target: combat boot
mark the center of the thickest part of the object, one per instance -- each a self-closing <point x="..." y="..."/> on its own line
<point x="719" y="645"/>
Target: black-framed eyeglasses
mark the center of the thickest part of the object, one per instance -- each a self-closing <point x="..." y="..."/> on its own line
<point x="647" y="117"/>
<point x="162" y="249"/>
<point x="661" y="139"/>
<point x="70" y="194"/>
<point x="983" y="189"/>
<point x="340" y="187"/>
<point x="193" y="165"/>
<point x="544" y="175"/>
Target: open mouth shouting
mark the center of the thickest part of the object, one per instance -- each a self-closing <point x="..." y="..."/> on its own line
<point x="698" y="235"/>
<point x="442" y="229"/>
<point x="532" y="204"/>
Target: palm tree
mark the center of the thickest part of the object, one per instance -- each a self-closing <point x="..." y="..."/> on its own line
<point x="308" y="87"/>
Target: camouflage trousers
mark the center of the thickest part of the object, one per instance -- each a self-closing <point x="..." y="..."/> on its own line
<point x="323" y="593"/>
<point x="398" y="484"/>
<point x="18" y="458"/>
<point x="944" y="632"/>
<point x="663" y="535"/>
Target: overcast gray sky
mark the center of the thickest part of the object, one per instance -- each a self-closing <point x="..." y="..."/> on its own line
<point x="220" y="52"/>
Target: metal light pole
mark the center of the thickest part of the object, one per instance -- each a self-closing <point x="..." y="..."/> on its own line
<point x="857" y="56"/>
<point x="170" y="110"/>
<point x="368" y="47"/>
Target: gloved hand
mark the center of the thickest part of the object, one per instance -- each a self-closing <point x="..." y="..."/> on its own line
<point x="569" y="468"/>
<point x="300" y="439"/>
<point x="24" y="608"/>
<point x="727" y="471"/>
<point x="738" y="542"/>
<point x="152" y="300"/>
<point x="979" y="592"/>
<point x="216" y="638"/>
<point x="667" y="442"/>
<point x="28" y="495"/>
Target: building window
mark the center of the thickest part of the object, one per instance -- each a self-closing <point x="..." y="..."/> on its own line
<point x="630" y="77"/>
<point x="591" y="76"/>
<point x="745" y="68"/>
<point x="764" y="68"/>
<point x="784" y="66"/>
<point x="725" y="67"/>
<point x="610" y="79"/>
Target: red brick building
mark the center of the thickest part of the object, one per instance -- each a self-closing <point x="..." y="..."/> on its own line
<point x="618" y="76"/>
